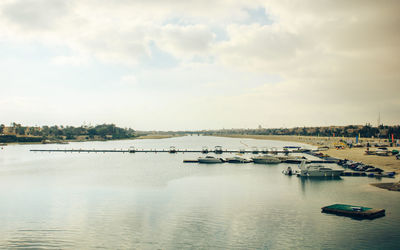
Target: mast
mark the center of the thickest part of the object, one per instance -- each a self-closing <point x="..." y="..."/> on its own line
<point x="379" y="119"/>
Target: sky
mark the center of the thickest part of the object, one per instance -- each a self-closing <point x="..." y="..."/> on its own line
<point x="199" y="64"/>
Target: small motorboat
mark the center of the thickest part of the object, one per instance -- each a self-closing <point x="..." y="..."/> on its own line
<point x="318" y="171"/>
<point x="172" y="150"/>
<point x="210" y="159"/>
<point x="266" y="159"/>
<point x="237" y="159"/>
<point x="289" y="171"/>
<point x="291" y="159"/>
<point x="218" y="150"/>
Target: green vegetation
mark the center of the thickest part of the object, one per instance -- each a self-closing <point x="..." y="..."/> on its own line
<point x="14" y="138"/>
<point x="18" y="133"/>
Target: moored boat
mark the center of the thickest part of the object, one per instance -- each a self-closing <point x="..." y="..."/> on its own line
<point x="318" y="171"/>
<point x="210" y="159"/>
<point x="237" y="159"/>
<point x="266" y="159"/>
<point x="291" y="158"/>
<point x="218" y="150"/>
<point x="289" y="171"/>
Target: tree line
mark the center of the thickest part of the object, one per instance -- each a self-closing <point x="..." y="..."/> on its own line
<point x="365" y="131"/>
<point x="19" y="133"/>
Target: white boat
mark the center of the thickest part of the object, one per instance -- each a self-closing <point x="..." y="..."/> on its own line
<point x="318" y="171"/>
<point x="291" y="158"/>
<point x="266" y="159"/>
<point x="209" y="159"/>
<point x="323" y="148"/>
<point x="288" y="171"/>
<point x="237" y="159"/>
<point x="383" y="151"/>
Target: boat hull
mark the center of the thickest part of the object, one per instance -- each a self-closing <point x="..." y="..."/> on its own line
<point x="237" y="160"/>
<point x="209" y="161"/>
<point x="266" y="161"/>
<point x="323" y="173"/>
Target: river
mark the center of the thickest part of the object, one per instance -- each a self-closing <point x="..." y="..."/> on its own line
<point x="155" y="201"/>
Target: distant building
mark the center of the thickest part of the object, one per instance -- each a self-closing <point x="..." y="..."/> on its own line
<point x="9" y="130"/>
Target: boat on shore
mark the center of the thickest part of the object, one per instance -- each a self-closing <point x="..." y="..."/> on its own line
<point x="318" y="171"/>
<point x="266" y="159"/>
<point x="210" y="160"/>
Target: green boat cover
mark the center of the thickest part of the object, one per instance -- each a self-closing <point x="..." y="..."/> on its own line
<point x="348" y="207"/>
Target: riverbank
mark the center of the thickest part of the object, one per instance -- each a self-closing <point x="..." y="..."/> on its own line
<point x="289" y="138"/>
<point x="142" y="137"/>
<point x="157" y="136"/>
<point x="387" y="163"/>
<point x="389" y="186"/>
<point x="317" y="141"/>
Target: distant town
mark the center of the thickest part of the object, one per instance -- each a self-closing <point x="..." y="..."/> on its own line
<point x="366" y="131"/>
<point x="36" y="134"/>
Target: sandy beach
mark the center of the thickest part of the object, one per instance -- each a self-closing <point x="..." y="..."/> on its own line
<point x="311" y="140"/>
<point x="387" y="163"/>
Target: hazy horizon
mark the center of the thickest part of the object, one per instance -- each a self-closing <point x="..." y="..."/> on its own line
<point x="193" y="65"/>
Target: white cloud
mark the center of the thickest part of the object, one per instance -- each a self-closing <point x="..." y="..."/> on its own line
<point x="256" y="47"/>
<point x="35" y="14"/>
<point x="75" y="60"/>
<point x="129" y="80"/>
<point x="336" y="60"/>
<point x="186" y="41"/>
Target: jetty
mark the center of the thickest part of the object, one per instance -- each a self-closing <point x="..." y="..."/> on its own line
<point x="354" y="211"/>
<point x="369" y="174"/>
<point x="172" y="150"/>
<point x="250" y="161"/>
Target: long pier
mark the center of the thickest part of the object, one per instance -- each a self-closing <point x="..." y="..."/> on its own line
<point x="159" y="151"/>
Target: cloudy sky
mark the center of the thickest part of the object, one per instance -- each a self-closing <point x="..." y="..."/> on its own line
<point x="199" y="64"/>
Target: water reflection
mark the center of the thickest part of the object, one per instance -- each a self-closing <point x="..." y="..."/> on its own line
<point x="316" y="182"/>
<point x="40" y="239"/>
<point x="151" y="201"/>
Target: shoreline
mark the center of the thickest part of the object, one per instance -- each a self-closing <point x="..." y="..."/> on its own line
<point x="142" y="137"/>
<point x="317" y="141"/>
<point x="391" y="186"/>
<point x="288" y="138"/>
<point x="387" y="163"/>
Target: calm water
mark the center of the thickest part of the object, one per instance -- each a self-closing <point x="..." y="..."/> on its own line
<point x="154" y="201"/>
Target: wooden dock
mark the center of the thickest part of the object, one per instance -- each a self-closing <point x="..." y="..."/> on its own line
<point x="159" y="151"/>
<point x="354" y="211"/>
<point x="284" y="161"/>
<point x="369" y="174"/>
<point x="81" y="150"/>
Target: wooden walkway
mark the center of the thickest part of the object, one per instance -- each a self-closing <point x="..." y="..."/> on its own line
<point x="159" y="151"/>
